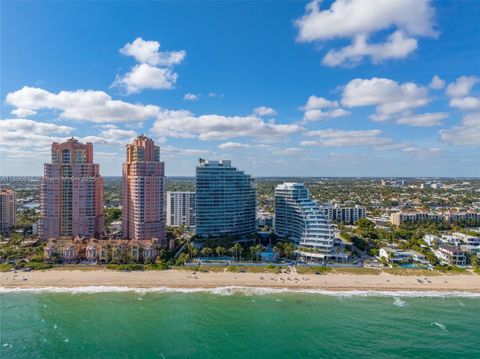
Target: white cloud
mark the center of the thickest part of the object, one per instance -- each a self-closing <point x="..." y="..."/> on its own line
<point x="318" y="103"/>
<point x="145" y="76"/>
<point x="397" y="46"/>
<point x="23" y="112"/>
<point x="190" y="97"/>
<point x="30" y="126"/>
<point x="316" y="115"/>
<point x="336" y="138"/>
<point x="155" y="68"/>
<point x="428" y="119"/>
<point x="467" y="133"/>
<point x="233" y="145"/>
<point x="83" y="105"/>
<point x="117" y="133"/>
<point x="420" y="152"/>
<point x="169" y="150"/>
<point x="360" y="20"/>
<point x="29" y="133"/>
<point x="437" y="83"/>
<point x="264" y="111"/>
<point x="469" y="103"/>
<point x="389" y="97"/>
<point x="148" y="52"/>
<point x="461" y="87"/>
<point x="315" y="109"/>
<point x="184" y="124"/>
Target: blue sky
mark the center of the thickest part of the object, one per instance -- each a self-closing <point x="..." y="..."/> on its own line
<point x="342" y="88"/>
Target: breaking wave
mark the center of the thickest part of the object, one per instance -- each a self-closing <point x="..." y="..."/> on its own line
<point x="231" y="290"/>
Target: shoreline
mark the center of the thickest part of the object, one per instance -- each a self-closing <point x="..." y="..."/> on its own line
<point x="181" y="280"/>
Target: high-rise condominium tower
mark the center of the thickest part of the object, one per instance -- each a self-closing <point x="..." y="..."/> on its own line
<point x="181" y="209"/>
<point x="71" y="193"/>
<point x="143" y="192"/>
<point x="8" y="209"/>
<point x="225" y="200"/>
<point x="301" y="219"/>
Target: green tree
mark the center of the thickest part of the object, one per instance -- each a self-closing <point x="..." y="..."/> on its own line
<point x="289" y="249"/>
<point x="236" y="250"/>
<point x="220" y="251"/>
<point x="206" y="251"/>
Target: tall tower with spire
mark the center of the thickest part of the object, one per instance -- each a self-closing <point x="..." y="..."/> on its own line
<point x="143" y="192"/>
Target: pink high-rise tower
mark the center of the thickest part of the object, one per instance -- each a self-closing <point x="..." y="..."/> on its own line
<point x="71" y="193"/>
<point x="143" y="192"/>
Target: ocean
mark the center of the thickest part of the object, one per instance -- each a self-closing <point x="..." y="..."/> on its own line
<point x="237" y="323"/>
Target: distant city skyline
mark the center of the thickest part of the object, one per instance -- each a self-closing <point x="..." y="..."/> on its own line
<point x="280" y="88"/>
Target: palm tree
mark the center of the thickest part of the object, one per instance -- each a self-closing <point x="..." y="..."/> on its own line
<point x="289" y="249"/>
<point x="237" y="250"/>
<point x="206" y="251"/>
<point x="278" y="249"/>
<point x="220" y="251"/>
<point x="258" y="249"/>
<point x="190" y="248"/>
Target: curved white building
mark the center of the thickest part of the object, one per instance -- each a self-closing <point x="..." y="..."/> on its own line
<point x="302" y="220"/>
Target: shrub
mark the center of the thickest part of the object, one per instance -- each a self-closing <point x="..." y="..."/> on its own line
<point x="126" y="267"/>
<point x="157" y="266"/>
<point x="37" y="265"/>
<point x="5" y="267"/>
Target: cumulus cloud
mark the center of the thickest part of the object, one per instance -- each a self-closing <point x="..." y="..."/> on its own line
<point x="437" y="83"/>
<point x="154" y="70"/>
<point x="148" y="52"/>
<point x="23" y="112"/>
<point x="469" y="103"/>
<point x="264" y="111"/>
<point x="461" y="87"/>
<point x="316" y="115"/>
<point x="184" y="124"/>
<point x="467" y="133"/>
<point x="29" y="133"/>
<point x="389" y="97"/>
<point x="319" y="108"/>
<point x="428" y="119"/>
<point x="336" y="138"/>
<point x="397" y="46"/>
<point x="190" y="97"/>
<point x="316" y="103"/>
<point x="83" y="105"/>
<point x="360" y="20"/>
<point x="145" y="76"/>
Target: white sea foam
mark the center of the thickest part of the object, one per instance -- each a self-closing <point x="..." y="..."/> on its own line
<point x="230" y="290"/>
<point x="398" y="302"/>
<point x="441" y="326"/>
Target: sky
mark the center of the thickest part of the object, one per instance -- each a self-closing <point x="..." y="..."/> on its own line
<point x="287" y="88"/>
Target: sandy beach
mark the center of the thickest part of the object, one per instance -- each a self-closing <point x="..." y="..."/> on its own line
<point x="186" y="279"/>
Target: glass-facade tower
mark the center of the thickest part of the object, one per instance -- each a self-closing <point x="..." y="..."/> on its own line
<point x="225" y="200"/>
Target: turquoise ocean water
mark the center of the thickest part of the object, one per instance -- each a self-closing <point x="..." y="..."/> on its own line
<point x="222" y="324"/>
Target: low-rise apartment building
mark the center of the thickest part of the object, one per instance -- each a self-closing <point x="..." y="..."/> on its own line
<point x="344" y="214"/>
<point x="398" y="218"/>
<point x="467" y="239"/>
<point x="101" y="251"/>
<point x="396" y="255"/>
<point x="451" y="255"/>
